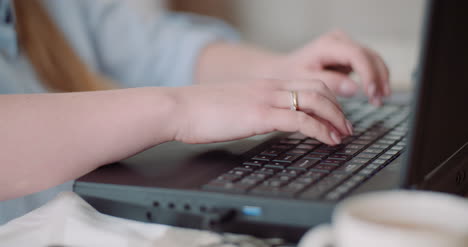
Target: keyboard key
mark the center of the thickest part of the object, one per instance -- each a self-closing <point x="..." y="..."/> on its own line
<point x="290" y="190"/>
<point x="361" y="142"/>
<point x="274" y="187"/>
<point x="272" y="182"/>
<point x="297" y="151"/>
<point x="388" y="142"/>
<point x="375" y="132"/>
<point x="332" y="162"/>
<point x="317" y="190"/>
<point x="247" y="168"/>
<point x="339" y="157"/>
<point x="291" y="173"/>
<point x="332" y="196"/>
<point x="282" y="147"/>
<point x="347" y="140"/>
<point x="307" y="179"/>
<point x="359" y="130"/>
<point x="324" y="168"/>
<point x="254" y="163"/>
<point x="269" y="171"/>
<point x="250" y="181"/>
<point x="355" y="146"/>
<point x="297" y="136"/>
<point x="399" y="144"/>
<point x="283" y="178"/>
<point x="276" y="165"/>
<point x="307" y="146"/>
<point x="287" y="158"/>
<point x="379" y="146"/>
<point x="262" y="157"/>
<point x="372" y="150"/>
<point x="366" y="172"/>
<point x="385" y="156"/>
<point x="397" y="148"/>
<point x="227" y="187"/>
<point x="303" y="164"/>
<point x="401" y="128"/>
<point x="366" y="138"/>
<point x="314" y="156"/>
<point x="313" y="174"/>
<point x="365" y="156"/>
<point x="313" y="193"/>
<point x="348" y="151"/>
<point x="398" y="132"/>
<point x="295" y="186"/>
<point x="238" y="173"/>
<point x="355" y="180"/>
<point x="312" y="141"/>
<point x="379" y="161"/>
<point x="340" y="190"/>
<point x="334" y="179"/>
<point x="349" y="168"/>
<point x="358" y="160"/>
<point x="271" y="152"/>
<point x="392" y="137"/>
<point x="259" y="176"/>
<point x="392" y="152"/>
<point x="373" y="166"/>
<point x="322" y="151"/>
<point x="343" y="188"/>
<point x="227" y="178"/>
<point x="332" y="148"/>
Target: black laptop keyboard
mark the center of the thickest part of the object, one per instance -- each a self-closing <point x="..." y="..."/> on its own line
<point x="301" y="167"/>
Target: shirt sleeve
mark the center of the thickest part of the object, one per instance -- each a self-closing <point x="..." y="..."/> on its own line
<point x="138" y="52"/>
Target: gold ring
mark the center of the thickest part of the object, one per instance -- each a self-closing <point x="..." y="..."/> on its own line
<point x="294" y="101"/>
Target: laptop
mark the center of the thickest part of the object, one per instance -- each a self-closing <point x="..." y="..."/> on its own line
<point x="281" y="184"/>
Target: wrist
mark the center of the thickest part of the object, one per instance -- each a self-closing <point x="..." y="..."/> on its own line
<point x="262" y="63"/>
<point x="272" y="67"/>
<point x="163" y="105"/>
<point x="237" y="62"/>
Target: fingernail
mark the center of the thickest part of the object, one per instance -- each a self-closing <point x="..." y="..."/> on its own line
<point x="371" y="90"/>
<point x="335" y="137"/>
<point x="350" y="127"/>
<point x="348" y="88"/>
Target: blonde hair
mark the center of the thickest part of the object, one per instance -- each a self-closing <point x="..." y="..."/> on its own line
<point x="55" y="62"/>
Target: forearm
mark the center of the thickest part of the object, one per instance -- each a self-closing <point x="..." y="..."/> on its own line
<point x="220" y="62"/>
<point x="47" y="139"/>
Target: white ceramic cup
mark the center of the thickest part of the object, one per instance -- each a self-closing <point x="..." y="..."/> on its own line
<point x="395" y="219"/>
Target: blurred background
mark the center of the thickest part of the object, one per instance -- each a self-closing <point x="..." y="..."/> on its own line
<point x="390" y="27"/>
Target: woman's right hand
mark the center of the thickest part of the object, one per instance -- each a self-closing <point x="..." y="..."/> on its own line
<point x="230" y="111"/>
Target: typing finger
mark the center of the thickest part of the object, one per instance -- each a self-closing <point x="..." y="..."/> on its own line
<point x="293" y="121"/>
<point x="346" y="52"/>
<point x="384" y="72"/>
<point x="339" y="83"/>
<point x="313" y="102"/>
<point x="310" y="84"/>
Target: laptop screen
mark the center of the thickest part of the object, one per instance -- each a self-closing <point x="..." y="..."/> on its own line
<point x="440" y="122"/>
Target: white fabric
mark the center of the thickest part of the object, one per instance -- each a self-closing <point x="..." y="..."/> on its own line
<point x="69" y="221"/>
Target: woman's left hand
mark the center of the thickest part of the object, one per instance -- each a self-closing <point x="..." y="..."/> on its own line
<point x="332" y="58"/>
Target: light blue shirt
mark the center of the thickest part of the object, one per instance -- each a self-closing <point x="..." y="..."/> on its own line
<point x="117" y="42"/>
